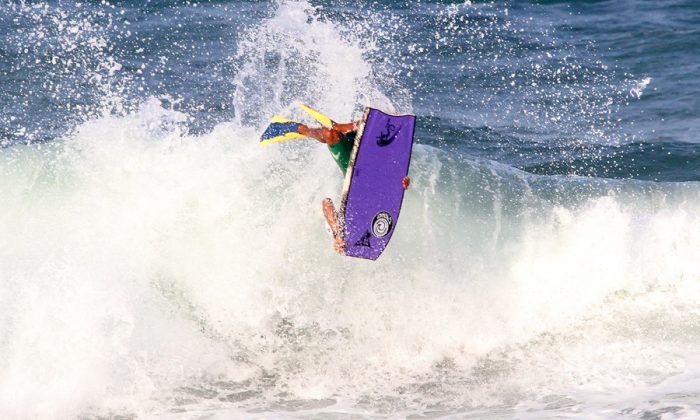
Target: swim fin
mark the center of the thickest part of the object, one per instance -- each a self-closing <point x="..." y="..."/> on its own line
<point x="322" y="119"/>
<point x="280" y="129"/>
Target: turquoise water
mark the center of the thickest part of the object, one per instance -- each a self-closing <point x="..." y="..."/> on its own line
<point x="157" y="263"/>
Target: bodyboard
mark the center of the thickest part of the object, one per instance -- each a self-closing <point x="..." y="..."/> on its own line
<point x="373" y="190"/>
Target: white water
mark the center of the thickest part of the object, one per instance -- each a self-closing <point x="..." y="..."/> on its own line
<point x="145" y="271"/>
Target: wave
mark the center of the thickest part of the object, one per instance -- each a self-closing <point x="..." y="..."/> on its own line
<point x="665" y="161"/>
<point x="141" y="259"/>
<point x="147" y="269"/>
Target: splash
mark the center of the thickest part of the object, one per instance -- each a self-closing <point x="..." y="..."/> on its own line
<point x="299" y="54"/>
<point x="152" y="271"/>
<point x="62" y="59"/>
<point x="155" y="266"/>
<point x="638" y="89"/>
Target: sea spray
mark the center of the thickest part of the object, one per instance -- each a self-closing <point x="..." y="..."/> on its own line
<point x="151" y="269"/>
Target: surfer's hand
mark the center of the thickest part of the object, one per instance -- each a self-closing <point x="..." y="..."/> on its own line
<point x="406" y="182"/>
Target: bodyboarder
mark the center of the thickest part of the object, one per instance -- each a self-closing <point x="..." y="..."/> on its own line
<point x="340" y="139"/>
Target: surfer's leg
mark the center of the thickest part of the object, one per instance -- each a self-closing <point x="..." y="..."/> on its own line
<point x="322" y="134"/>
<point x="332" y="219"/>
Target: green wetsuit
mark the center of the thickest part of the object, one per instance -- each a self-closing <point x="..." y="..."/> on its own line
<point x="342" y="150"/>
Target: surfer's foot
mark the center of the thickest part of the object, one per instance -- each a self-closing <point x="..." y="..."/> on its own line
<point x="405" y="182"/>
<point x="339" y="246"/>
<point x="329" y="214"/>
<point x="332" y="220"/>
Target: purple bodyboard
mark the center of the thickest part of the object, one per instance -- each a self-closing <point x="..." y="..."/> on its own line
<point x="373" y="190"/>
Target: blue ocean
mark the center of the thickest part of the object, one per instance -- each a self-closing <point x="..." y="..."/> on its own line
<point x="157" y="263"/>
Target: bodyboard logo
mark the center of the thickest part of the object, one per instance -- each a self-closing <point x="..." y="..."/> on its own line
<point x="381" y="224"/>
<point x="386" y="137"/>
<point x="364" y="240"/>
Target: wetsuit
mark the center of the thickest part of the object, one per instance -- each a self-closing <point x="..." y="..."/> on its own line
<point x="342" y="150"/>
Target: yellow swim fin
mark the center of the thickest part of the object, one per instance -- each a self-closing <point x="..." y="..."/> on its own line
<point x="322" y="119"/>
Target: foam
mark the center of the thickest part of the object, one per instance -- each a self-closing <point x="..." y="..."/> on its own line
<point x="147" y="269"/>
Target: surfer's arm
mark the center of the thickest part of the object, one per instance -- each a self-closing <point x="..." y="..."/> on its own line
<point x="322" y="134"/>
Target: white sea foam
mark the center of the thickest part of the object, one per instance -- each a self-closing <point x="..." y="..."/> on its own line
<point x="140" y="260"/>
<point x="145" y="270"/>
<point x="638" y="89"/>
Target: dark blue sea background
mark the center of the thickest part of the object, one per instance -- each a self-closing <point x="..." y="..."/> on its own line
<point x="551" y="87"/>
<point x="156" y="262"/>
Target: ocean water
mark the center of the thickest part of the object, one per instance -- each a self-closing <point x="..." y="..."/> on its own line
<point x="157" y="263"/>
